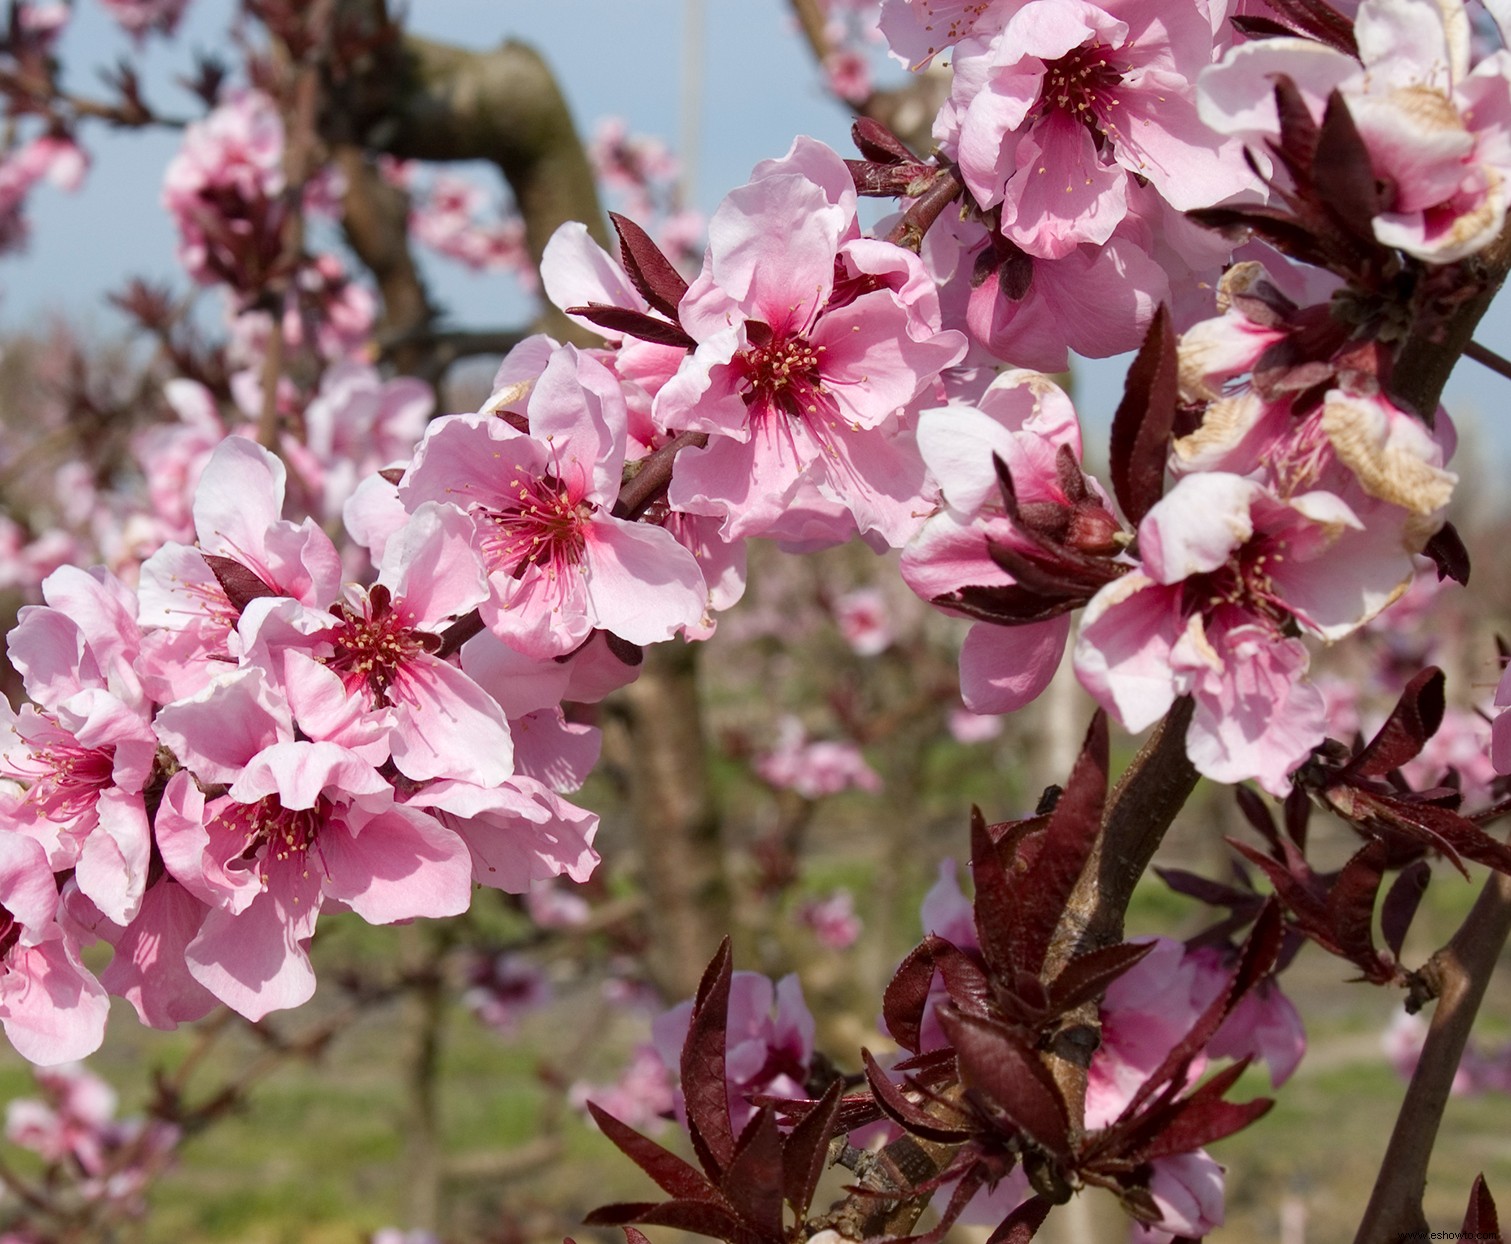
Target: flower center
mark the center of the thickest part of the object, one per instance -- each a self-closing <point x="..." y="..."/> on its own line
<point x="782" y="373"/>
<point x="371" y="649"/>
<point x="10" y="932"/>
<point x="543" y="527"/>
<point x="1246" y="584"/>
<point x="1083" y="84"/>
<point x="64" y="780"/>
<point x="270" y="832"/>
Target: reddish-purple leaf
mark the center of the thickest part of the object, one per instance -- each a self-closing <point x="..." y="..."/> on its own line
<point x="906" y="996"/>
<point x="1255" y="960"/>
<point x="704" y="1082"/>
<point x="967" y="985"/>
<point x="997" y="904"/>
<point x="634" y="324"/>
<point x="1446" y="548"/>
<point x="1401" y="902"/>
<point x="1455" y="835"/>
<point x="652" y="273"/>
<point x="671" y="1173"/>
<point x="1351" y="905"/>
<point x="631" y="1236"/>
<point x="1480" y="1219"/>
<point x="1320" y="21"/>
<point x="908" y="1115"/>
<point x="1009" y="1078"/>
<point x="753" y="1182"/>
<point x="806" y="1151"/>
<point x="241" y="586"/>
<point x="1204" y="889"/>
<point x="699" y="1217"/>
<point x="1190" y="1125"/>
<point x="1087" y="976"/>
<point x="1142" y="426"/>
<point x="1023" y="1223"/>
<point x="1256" y="813"/>
<point x="1415" y="719"/>
<point x="1298" y="815"/>
<point x="1068" y="840"/>
<point x="876" y="142"/>
<point x="1342" y="173"/>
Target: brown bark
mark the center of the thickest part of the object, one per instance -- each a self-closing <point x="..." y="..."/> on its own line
<point x="676" y="818"/>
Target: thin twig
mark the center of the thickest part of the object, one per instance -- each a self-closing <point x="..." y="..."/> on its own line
<point x="1488" y="358"/>
<point x="1463" y="969"/>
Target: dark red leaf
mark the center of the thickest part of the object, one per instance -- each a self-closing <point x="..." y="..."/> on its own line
<point x="671" y="1173"/>
<point x="1321" y="21"/>
<point x="1203" y="889"/>
<point x="909" y="1115"/>
<point x="1008" y="1077"/>
<point x="1023" y="1223"/>
<point x="1087" y="976"/>
<point x="1342" y="173"/>
<point x="806" y="1151"/>
<point x="1351" y="904"/>
<point x="876" y="142"/>
<point x="1446" y="548"/>
<point x="241" y="586"/>
<point x="1401" y="904"/>
<point x="1008" y="604"/>
<point x="1256" y="813"/>
<point x="699" y="1217"/>
<point x="997" y="905"/>
<point x="1255" y="961"/>
<point x="906" y="996"/>
<point x="1415" y="719"/>
<point x="1480" y="1219"/>
<point x="634" y="324"/>
<point x="965" y="982"/>
<point x="1298" y="814"/>
<point x="1142" y="426"/>
<point x="1072" y="831"/>
<point x="1456" y="835"/>
<point x="652" y="273"/>
<point x="1190" y="1125"/>
<point x="631" y="1236"/>
<point x="704" y="1082"/>
<point x="753" y="1182"/>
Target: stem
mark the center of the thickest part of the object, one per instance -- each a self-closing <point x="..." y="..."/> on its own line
<point x="1463" y="968"/>
<point x="1488" y="358"/>
<point x="927" y="208"/>
<point x="654" y="474"/>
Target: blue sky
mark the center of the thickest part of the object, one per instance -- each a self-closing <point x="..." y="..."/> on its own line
<point x="759" y="89"/>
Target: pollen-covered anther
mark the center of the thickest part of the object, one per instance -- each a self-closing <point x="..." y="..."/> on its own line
<point x="1081" y="84"/>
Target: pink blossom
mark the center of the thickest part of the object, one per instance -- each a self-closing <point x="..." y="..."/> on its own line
<point x="832" y="919"/>
<point x="302" y="823"/>
<point x="815" y="769"/>
<point x="139" y="17"/>
<point x="501" y="988"/>
<point x="863" y="619"/>
<point x="1226" y="564"/>
<point x="968" y="727"/>
<point x="811" y="340"/>
<point x="558" y="562"/>
<point x="84" y="750"/>
<point x="643" y="1096"/>
<point x="223" y="190"/>
<point x="1055" y="109"/>
<point x="53" y="1010"/>
<point x="1023" y="419"/>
